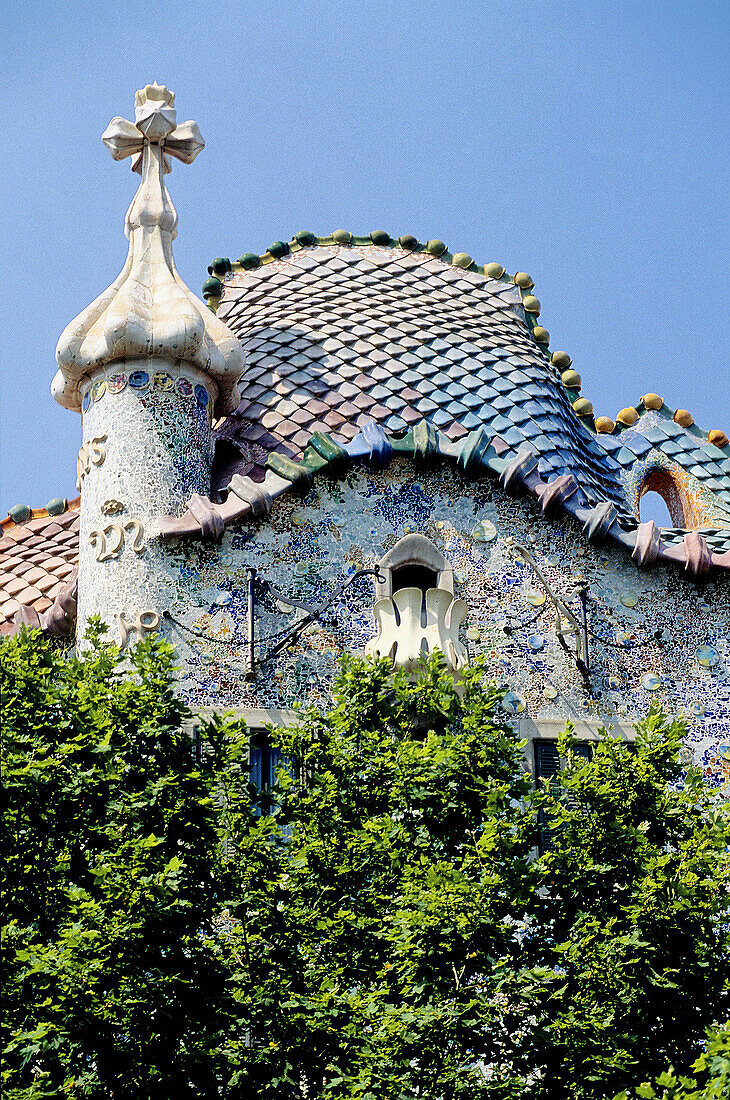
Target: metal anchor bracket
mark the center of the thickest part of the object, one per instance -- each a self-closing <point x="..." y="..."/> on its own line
<point x="578" y="623"/>
<point x="313" y="611"/>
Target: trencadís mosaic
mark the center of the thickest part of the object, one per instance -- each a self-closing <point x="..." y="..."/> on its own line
<point x="308" y="546"/>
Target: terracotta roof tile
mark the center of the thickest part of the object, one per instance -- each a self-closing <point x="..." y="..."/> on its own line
<point x="27" y="594"/>
<point x="46" y="583"/>
<point x="37" y="558"/>
<point x="15" y="535"/>
<point x="53" y="563"/>
<point x="31" y="574"/>
<point x="68" y="519"/>
<point x="36" y="525"/>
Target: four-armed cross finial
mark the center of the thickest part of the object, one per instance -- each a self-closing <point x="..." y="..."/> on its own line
<point x="148" y="312"/>
<point x="155" y="122"/>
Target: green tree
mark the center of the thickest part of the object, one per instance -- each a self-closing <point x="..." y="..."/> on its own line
<point x="633" y="913"/>
<point x="374" y="921"/>
<point x="710" y="1079"/>
<point x="111" y="988"/>
<point x="389" y="932"/>
<point x="393" y="934"/>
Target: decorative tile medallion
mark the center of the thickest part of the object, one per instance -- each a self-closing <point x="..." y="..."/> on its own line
<point x="513" y="703"/>
<point x="115" y="383"/>
<point x="163" y="380"/>
<point x="707" y="656"/>
<point x="139" y="380"/>
<point x="484" y="531"/>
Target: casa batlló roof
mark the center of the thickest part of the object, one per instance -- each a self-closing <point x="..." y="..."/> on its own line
<point x="357" y="348"/>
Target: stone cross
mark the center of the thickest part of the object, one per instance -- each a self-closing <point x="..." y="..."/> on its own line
<point x="148" y="312"/>
<point x="155" y="122"/>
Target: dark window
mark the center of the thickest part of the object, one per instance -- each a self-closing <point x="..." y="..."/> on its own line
<point x="547" y="765"/>
<point x="547" y="760"/>
<point x="264" y="761"/>
<point x="414" y="576"/>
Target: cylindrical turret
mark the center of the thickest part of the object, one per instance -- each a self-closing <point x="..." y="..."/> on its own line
<point x="146" y="450"/>
<point x="147" y="364"/>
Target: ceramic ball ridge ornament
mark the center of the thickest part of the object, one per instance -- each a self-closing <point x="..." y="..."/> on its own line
<point x="149" y="312"/>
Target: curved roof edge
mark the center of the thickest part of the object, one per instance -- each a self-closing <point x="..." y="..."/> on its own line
<point x="475" y="454"/>
<point x="21" y="513"/>
<point x="249" y="261"/>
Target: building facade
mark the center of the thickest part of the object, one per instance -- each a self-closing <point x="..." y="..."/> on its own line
<point x="367" y="444"/>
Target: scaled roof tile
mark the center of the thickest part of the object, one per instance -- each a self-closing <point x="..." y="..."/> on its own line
<point x="414" y="323"/>
<point x="36" y="559"/>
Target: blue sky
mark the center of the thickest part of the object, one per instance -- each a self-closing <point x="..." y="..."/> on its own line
<point x="585" y="143"/>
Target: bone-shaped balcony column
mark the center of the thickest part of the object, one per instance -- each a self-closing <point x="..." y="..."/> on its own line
<point x="405" y="639"/>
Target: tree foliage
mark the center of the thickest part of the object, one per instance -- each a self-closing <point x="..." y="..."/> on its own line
<point x="111" y="860"/>
<point x="389" y="932"/>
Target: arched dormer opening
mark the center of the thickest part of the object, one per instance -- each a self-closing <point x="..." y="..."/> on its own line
<point x="414" y="576"/>
<point x="680" y="505"/>
<point x="653" y="506"/>
<point x="415" y="609"/>
<point x="414" y="562"/>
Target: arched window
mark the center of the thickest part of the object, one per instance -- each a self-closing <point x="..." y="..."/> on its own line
<point x="653" y="506"/>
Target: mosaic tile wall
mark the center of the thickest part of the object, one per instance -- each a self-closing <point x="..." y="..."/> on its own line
<point x="146" y="447"/>
<point x="308" y="546"/>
